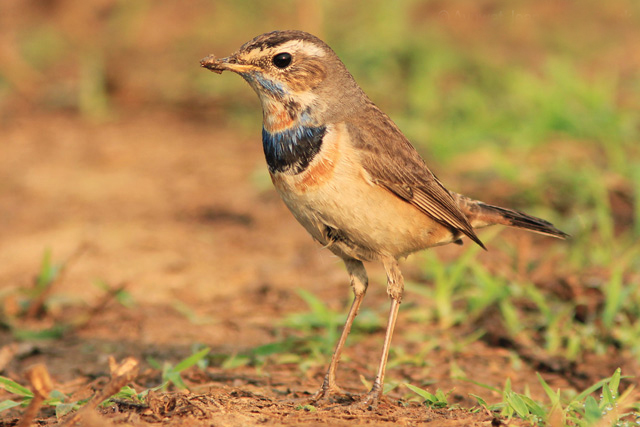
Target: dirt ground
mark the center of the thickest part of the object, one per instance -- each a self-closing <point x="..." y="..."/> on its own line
<point x="157" y="193"/>
<point x="159" y="205"/>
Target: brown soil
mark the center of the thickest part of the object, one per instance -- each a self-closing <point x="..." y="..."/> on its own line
<point x="167" y="209"/>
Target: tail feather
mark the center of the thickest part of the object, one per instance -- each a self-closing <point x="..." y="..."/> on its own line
<point x="481" y="214"/>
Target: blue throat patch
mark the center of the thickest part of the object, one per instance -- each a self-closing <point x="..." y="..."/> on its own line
<point x="293" y="149"/>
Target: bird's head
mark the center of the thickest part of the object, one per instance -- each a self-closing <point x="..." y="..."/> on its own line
<point x="298" y="78"/>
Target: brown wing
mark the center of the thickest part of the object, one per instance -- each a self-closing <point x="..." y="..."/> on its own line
<point x="394" y="164"/>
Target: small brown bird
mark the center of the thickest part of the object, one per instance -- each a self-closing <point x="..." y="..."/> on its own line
<point x="349" y="175"/>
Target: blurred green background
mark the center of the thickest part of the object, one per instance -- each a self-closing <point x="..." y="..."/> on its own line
<point x="536" y="101"/>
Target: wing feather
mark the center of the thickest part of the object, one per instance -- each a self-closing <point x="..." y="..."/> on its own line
<point x="394" y="164"/>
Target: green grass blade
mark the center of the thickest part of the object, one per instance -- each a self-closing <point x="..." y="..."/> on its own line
<point x="428" y="397"/>
<point x="47" y="272"/>
<point x="614" y="383"/>
<point x="589" y="390"/>
<point x="191" y="360"/>
<point x="8" y="404"/>
<point x="518" y="405"/>
<point x="534" y="407"/>
<point x="591" y="410"/>
<point x="552" y="396"/>
<point x="607" y="397"/>
<point x="479" y="399"/>
<point x="64" y="408"/>
<point x="315" y="304"/>
<point x="479" y="384"/>
<point x="154" y="363"/>
<point x="177" y="380"/>
<point x="15" y="388"/>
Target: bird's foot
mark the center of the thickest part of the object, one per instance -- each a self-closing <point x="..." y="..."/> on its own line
<point x="334" y="397"/>
<point x="369" y="401"/>
<point x="331" y="394"/>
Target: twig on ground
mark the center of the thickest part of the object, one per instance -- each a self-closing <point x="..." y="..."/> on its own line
<point x="121" y="375"/>
<point x="41" y="385"/>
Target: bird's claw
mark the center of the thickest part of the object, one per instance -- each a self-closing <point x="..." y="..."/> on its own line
<point x="369" y="400"/>
<point x="331" y="394"/>
<point x="334" y="395"/>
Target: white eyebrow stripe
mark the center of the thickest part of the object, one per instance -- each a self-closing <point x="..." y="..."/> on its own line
<point x="301" y="46"/>
<point x="291" y="46"/>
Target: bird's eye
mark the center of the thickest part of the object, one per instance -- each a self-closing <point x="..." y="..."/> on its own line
<point x="282" y="60"/>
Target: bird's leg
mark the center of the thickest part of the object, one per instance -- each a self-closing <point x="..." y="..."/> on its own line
<point x="359" y="283"/>
<point x="395" y="288"/>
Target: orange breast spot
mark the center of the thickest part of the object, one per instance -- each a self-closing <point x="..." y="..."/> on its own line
<point x="321" y="170"/>
<point x="277" y="119"/>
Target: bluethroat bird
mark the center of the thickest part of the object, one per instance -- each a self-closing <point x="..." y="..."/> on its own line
<point x="349" y="175"/>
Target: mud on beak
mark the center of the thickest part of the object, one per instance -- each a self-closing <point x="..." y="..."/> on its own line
<point x="229" y="63"/>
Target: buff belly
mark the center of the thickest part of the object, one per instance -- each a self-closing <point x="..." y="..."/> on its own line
<point x="334" y="199"/>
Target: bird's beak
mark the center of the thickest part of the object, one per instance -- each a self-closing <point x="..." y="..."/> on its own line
<point x="229" y="63"/>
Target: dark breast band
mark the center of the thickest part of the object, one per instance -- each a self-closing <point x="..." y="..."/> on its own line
<point x="293" y="149"/>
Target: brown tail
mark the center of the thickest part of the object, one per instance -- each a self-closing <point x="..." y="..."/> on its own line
<point x="481" y="215"/>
